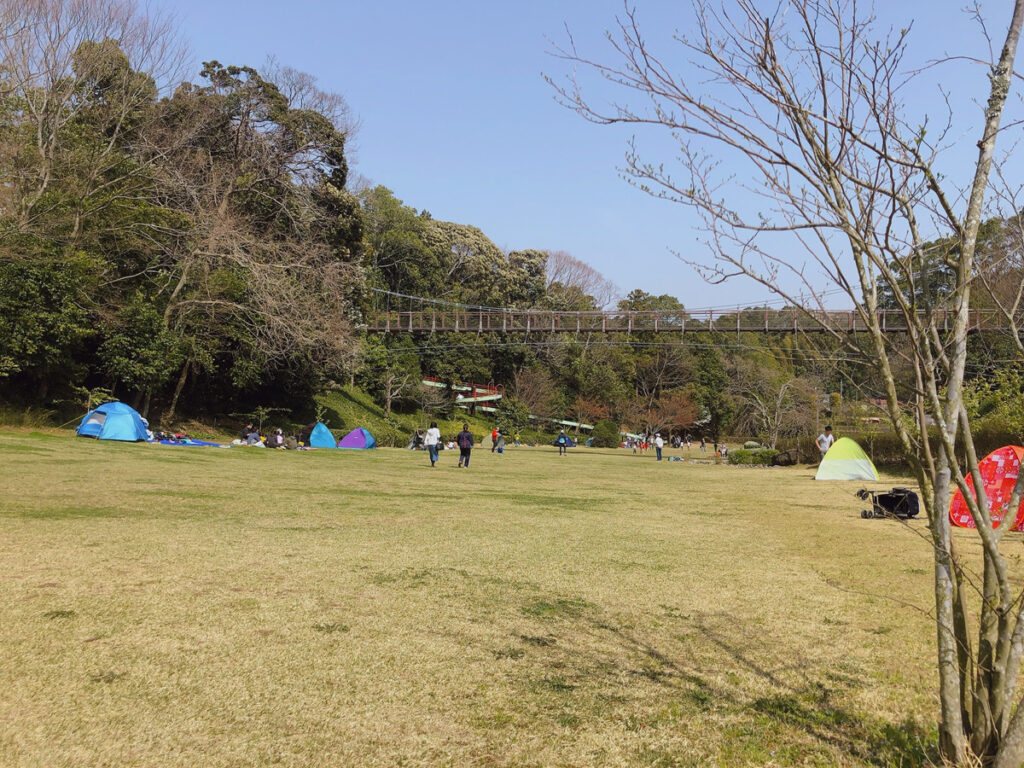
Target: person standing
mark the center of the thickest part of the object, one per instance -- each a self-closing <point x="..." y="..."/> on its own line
<point x="431" y="439"/>
<point x="658" y="444"/>
<point x="465" y="442"/>
<point x="824" y="441"/>
<point x="494" y="439"/>
<point x="562" y="442"/>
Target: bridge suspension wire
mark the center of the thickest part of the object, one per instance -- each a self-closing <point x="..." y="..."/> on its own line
<point x="508" y="310"/>
<point x="443" y="303"/>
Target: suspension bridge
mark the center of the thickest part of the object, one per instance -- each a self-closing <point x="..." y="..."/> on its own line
<point x="450" y="318"/>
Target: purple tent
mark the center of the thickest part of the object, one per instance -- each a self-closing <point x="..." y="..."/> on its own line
<point x="357" y="438"/>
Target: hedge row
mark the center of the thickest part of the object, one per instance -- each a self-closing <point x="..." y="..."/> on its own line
<point x="885" y="449"/>
<point x="752" y="456"/>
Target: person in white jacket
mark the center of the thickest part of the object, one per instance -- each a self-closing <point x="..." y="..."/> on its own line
<point x="432" y="438"/>
<point x="658" y="445"/>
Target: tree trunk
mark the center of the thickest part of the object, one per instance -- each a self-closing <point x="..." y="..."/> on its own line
<point x="1011" y="751"/>
<point x="169" y="415"/>
<point x="952" y="744"/>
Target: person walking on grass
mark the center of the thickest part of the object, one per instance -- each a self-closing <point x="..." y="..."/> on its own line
<point x="431" y="440"/>
<point x="465" y="442"/>
<point x="824" y="441"/>
<point x="563" y="443"/>
<point x="658" y="444"/>
<point x="494" y="438"/>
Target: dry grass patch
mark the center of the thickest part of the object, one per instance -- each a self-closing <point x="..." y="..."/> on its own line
<point x="179" y="606"/>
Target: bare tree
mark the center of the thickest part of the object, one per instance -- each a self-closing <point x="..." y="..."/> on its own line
<point x="562" y="267"/>
<point x="247" y="249"/>
<point x="394" y="385"/>
<point x="302" y="92"/>
<point x="672" y="410"/>
<point x="535" y="389"/>
<point x="800" y="111"/>
<point x="53" y="53"/>
<point x="772" y="403"/>
<point x="431" y="400"/>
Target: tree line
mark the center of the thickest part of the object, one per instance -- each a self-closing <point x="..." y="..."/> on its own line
<point x="193" y="246"/>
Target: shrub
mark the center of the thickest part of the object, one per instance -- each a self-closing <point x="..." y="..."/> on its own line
<point x="513" y="417"/>
<point x="758" y="456"/>
<point x="605" y="434"/>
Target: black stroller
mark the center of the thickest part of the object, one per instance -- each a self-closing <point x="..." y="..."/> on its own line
<point x="901" y="503"/>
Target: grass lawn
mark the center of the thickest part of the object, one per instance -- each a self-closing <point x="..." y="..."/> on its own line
<point x="164" y="606"/>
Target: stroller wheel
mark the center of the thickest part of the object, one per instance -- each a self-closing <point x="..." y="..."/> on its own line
<point x="866" y="513"/>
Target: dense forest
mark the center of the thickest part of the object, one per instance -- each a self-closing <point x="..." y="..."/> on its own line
<point x="197" y="249"/>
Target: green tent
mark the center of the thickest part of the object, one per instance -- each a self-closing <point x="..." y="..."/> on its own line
<point x="846" y="460"/>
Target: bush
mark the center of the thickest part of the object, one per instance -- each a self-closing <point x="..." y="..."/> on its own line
<point x="605" y="434"/>
<point x="758" y="456"/>
<point x="513" y="417"/>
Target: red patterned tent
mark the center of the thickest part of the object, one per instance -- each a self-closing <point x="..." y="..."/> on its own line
<point x="999" y="472"/>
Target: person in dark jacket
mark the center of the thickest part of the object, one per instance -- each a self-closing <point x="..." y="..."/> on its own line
<point x="563" y="443"/>
<point x="465" y="442"/>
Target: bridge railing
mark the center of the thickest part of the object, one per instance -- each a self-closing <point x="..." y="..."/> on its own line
<point x="660" y="321"/>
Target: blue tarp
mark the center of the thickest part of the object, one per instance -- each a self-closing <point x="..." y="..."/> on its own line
<point x="113" y="421"/>
<point x="321" y="437"/>
<point x="190" y="441"/>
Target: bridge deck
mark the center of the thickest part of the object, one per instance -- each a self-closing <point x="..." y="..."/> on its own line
<point x="762" y="321"/>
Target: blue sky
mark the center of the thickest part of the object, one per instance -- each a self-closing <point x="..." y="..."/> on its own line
<point x="457" y="119"/>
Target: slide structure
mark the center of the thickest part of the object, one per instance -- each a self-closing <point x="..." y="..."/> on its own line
<point x="482" y="397"/>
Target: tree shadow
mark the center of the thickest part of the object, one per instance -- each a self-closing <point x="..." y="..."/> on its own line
<point x="804" y="698"/>
<point x="783" y="712"/>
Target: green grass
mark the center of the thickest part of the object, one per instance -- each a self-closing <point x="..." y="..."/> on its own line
<point x="177" y="607"/>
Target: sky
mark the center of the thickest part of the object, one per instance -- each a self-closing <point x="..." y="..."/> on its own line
<point x="456" y="117"/>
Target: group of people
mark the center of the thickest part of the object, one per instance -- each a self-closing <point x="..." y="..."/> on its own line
<point x="644" y="443"/>
<point x="277" y="439"/>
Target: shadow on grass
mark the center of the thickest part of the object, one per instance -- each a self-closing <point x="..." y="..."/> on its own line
<point x="768" y="714"/>
<point x="707" y="687"/>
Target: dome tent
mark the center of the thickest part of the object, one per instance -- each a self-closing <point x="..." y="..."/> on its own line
<point x="321" y="437"/>
<point x="358" y="438"/>
<point x="998" y="472"/>
<point x="113" y="421"/>
<point x="846" y="460"/>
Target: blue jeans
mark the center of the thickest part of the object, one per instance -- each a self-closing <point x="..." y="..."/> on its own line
<point x="432" y="450"/>
<point x="658" y="451"/>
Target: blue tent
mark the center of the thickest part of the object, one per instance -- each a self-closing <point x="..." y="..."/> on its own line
<point x="321" y="437"/>
<point x="113" y="421"/>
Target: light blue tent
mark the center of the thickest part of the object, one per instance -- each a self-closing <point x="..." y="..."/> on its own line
<point x="113" y="421"/>
<point x="321" y="437"/>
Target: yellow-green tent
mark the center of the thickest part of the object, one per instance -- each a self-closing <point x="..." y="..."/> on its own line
<point x="846" y="460"/>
